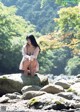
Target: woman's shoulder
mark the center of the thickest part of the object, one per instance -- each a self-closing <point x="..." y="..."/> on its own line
<point x="37" y="48"/>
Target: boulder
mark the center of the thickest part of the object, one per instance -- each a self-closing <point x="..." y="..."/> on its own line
<point x="51" y="88"/>
<point x="30" y="88"/>
<point x="49" y="101"/>
<point x="62" y="83"/>
<point x="14" y="95"/>
<point x="31" y="94"/>
<point x="14" y="82"/>
<point x="67" y="95"/>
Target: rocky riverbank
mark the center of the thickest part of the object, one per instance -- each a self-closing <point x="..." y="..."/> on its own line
<point x="40" y="93"/>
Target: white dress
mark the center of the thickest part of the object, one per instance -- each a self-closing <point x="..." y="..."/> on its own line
<point x="25" y="55"/>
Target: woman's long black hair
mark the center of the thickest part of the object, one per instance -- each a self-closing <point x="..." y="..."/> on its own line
<point x="33" y="40"/>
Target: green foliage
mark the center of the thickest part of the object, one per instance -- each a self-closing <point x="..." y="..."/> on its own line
<point x="69" y="21"/>
<point x="54" y="61"/>
<point x="73" y="66"/>
<point x="66" y="2"/>
<point x="61" y="2"/>
<point x="31" y="10"/>
<point x="70" y="90"/>
<point x="39" y="13"/>
<point x="56" y="53"/>
<point x="60" y="57"/>
<point x="32" y="102"/>
<point x="46" y="61"/>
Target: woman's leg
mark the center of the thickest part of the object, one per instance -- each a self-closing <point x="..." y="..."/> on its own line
<point x="26" y="64"/>
<point x="33" y="65"/>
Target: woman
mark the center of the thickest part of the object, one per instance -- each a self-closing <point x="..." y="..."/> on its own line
<point x="30" y="52"/>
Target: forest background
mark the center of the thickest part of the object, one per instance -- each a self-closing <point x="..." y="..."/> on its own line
<point x="56" y="26"/>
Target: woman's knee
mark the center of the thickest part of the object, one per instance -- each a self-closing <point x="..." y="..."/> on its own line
<point x="33" y="63"/>
<point x="26" y="62"/>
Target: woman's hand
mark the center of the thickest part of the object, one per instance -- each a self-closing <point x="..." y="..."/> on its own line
<point x="32" y="57"/>
<point x="27" y="57"/>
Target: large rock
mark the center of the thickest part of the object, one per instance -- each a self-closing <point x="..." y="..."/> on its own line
<point x="67" y="95"/>
<point x="62" y="83"/>
<point x="30" y="88"/>
<point x="51" y="88"/>
<point x="49" y="101"/>
<point x="14" y="82"/>
<point x="31" y="94"/>
<point x="14" y="95"/>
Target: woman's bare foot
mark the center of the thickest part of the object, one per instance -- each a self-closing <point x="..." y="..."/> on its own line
<point x="32" y="74"/>
<point x="29" y="72"/>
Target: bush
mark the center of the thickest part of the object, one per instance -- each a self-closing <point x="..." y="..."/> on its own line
<point x="73" y="66"/>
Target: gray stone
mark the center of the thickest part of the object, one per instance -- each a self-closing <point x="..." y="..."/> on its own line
<point x="31" y="94"/>
<point x="64" y="84"/>
<point x="78" y="76"/>
<point x="67" y="95"/>
<point x="51" y="88"/>
<point x="30" y="88"/>
<point x="11" y="96"/>
<point x="4" y="99"/>
<point x="14" y="95"/>
<point x="49" y="101"/>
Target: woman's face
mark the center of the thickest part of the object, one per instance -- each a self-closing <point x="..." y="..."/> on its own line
<point x="28" y="42"/>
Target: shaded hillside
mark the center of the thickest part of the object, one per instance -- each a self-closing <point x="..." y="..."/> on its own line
<point x="31" y="10"/>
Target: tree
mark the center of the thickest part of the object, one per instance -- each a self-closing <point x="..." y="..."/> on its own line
<point x="69" y="27"/>
<point x="54" y="54"/>
<point x="69" y="20"/>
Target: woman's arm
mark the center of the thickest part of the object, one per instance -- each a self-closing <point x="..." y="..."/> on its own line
<point x="24" y="52"/>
